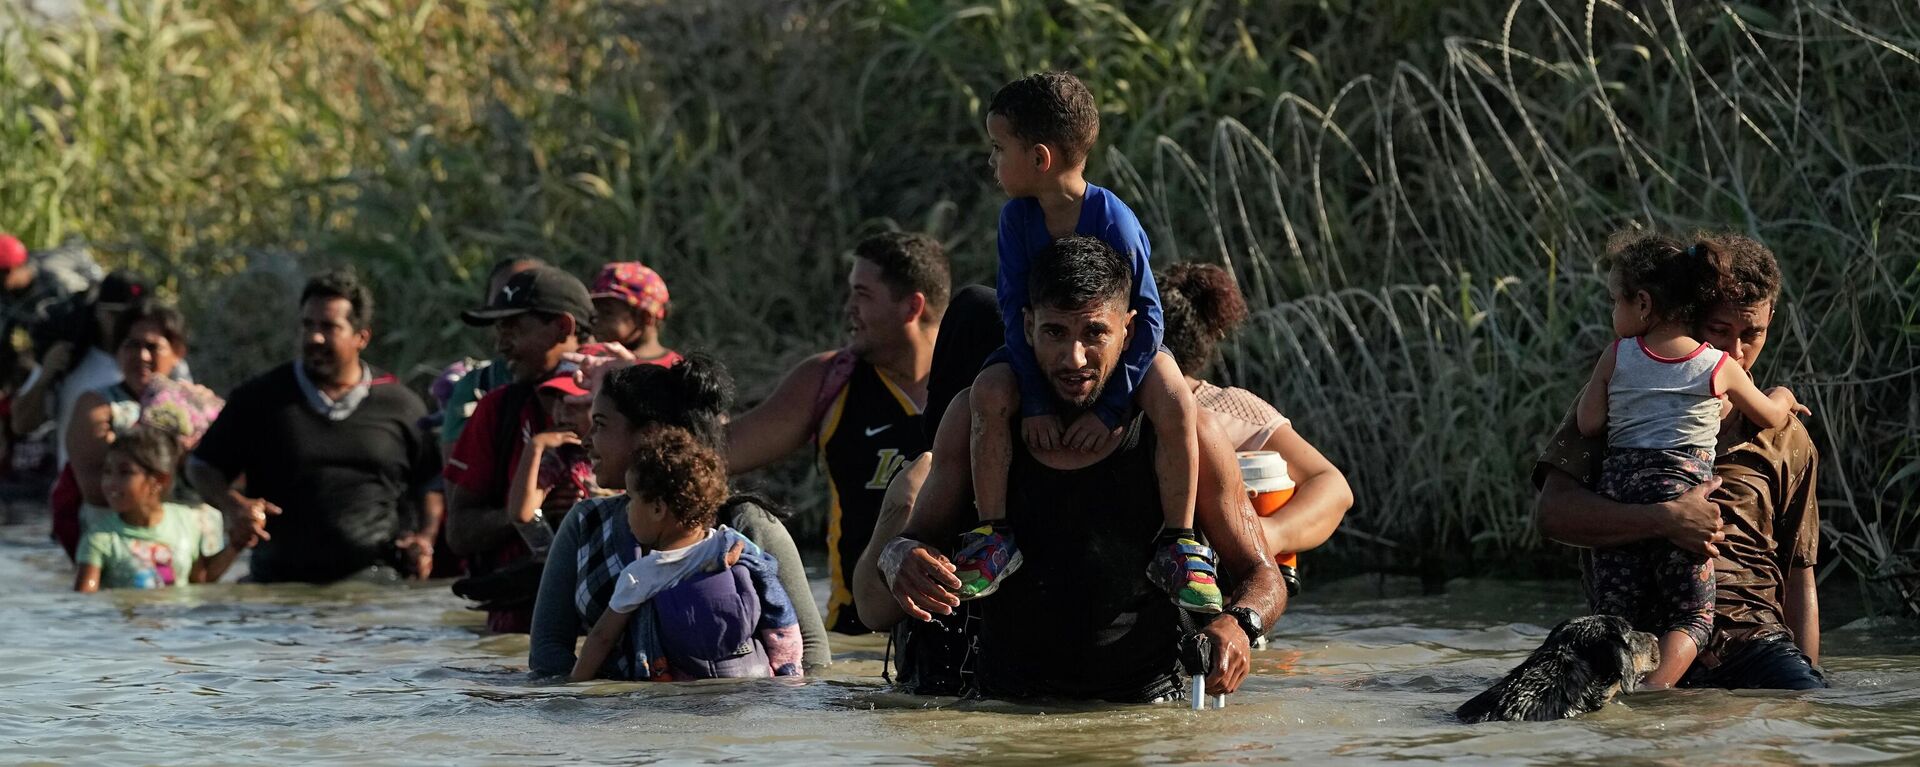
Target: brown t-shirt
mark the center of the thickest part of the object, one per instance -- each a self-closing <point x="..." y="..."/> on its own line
<point x="1767" y="504"/>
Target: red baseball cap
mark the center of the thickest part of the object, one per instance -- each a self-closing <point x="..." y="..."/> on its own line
<point x="12" y="253"/>
<point x="565" y="384"/>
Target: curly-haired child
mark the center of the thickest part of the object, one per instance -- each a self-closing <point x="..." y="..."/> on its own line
<point x="701" y="602"/>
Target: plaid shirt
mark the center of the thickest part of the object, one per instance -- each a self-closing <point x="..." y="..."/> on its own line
<point x="608" y="549"/>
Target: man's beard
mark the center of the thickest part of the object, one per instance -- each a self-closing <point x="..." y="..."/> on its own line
<point x="320" y="362"/>
<point x="1070" y="410"/>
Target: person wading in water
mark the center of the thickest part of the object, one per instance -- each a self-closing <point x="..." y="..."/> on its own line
<point x="1085" y="621"/>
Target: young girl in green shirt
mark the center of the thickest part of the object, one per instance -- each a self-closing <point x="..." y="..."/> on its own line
<point x="148" y="543"/>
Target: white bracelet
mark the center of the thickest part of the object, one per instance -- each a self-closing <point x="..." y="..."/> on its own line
<point x="895" y="555"/>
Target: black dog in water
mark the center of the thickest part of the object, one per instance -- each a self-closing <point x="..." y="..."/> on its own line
<point x="1582" y="665"/>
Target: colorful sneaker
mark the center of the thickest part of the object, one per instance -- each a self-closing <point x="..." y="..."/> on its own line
<point x="1184" y="568"/>
<point x="986" y="558"/>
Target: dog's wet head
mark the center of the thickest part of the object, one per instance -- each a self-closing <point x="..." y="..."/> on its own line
<point x="1643" y="653"/>
<point x="1599" y="636"/>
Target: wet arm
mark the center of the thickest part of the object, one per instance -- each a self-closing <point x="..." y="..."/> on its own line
<point x="870" y="592"/>
<point x="86" y="579"/>
<point x="1570" y="513"/>
<point x="210" y="569"/>
<point x="942" y="510"/>
<point x="1803" y="611"/>
<point x="428" y="486"/>
<point x="1592" y="413"/>
<point x="213" y="484"/>
<point x="30" y="405"/>
<point x="777" y="426"/>
<point x="524" y="493"/>
<point x="925" y="583"/>
<point x="556" y="622"/>
<point x="88" y="434"/>
<point x="1221" y="511"/>
<point x="600" y="642"/>
<point x="433" y="513"/>
<point x="1769" y="411"/>
<point x="1320" y="499"/>
<point x="473" y="525"/>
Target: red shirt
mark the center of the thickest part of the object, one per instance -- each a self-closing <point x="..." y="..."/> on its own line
<point x="667" y="360"/>
<point x="475" y="462"/>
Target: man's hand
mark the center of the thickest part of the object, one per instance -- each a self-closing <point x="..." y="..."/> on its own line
<point x="58" y="359"/>
<point x="1042" y="432"/>
<point x="247" y="520"/>
<point x="418" y="552"/>
<point x="926" y="584"/>
<point x="1231" y="656"/>
<point x="1693" y="522"/>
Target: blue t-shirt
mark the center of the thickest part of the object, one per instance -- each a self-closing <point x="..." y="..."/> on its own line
<point x="1023" y="234"/>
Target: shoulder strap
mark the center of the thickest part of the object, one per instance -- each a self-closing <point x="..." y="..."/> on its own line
<point x="839" y="372"/>
<point x="506" y="426"/>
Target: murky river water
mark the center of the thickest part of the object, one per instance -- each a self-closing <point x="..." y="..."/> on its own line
<point x="365" y="674"/>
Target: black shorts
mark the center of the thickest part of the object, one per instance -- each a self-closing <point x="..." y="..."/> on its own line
<point x="1772" y="663"/>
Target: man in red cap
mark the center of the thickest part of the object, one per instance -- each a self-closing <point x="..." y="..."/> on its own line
<point x="538" y="316"/>
<point x="629" y="304"/>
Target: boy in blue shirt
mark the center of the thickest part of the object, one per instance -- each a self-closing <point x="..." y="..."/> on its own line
<point x="1042" y="128"/>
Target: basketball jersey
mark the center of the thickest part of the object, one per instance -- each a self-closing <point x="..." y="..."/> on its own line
<point x="871" y="429"/>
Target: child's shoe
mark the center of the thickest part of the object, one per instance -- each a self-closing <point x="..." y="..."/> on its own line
<point x="986" y="557"/>
<point x="1184" y="568"/>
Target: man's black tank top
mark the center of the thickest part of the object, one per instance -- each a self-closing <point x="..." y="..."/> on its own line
<point x="1080" y="619"/>
<point x="869" y="432"/>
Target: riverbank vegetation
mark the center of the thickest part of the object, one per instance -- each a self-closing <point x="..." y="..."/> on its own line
<point x="1412" y="194"/>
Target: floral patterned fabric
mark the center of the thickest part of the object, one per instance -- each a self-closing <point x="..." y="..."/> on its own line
<point x="1653" y="584"/>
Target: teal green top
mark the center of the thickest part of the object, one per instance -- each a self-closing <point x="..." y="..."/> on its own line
<point x="466" y="394"/>
<point x="131" y="557"/>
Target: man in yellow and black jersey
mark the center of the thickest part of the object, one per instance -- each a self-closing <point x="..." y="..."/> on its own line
<point x="860" y="405"/>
